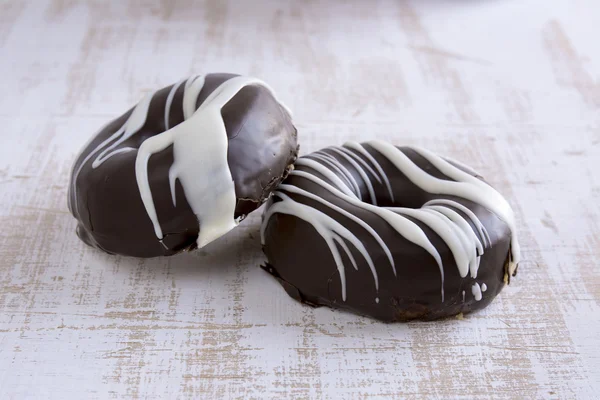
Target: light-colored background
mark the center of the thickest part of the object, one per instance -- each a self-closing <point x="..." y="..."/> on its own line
<point x="511" y="87"/>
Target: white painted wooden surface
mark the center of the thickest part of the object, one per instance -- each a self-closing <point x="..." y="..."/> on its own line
<point x="511" y="87"/>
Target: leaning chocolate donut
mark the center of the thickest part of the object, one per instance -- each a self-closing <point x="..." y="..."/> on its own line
<point x="182" y="167"/>
<point x="395" y="233"/>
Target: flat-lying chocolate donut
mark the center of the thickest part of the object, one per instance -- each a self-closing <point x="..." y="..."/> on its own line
<point x="395" y="233"/>
<point x="182" y="167"/>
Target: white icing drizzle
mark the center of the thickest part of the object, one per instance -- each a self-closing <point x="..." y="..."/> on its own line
<point x="483" y="287"/>
<point x="344" y="173"/>
<point x="464" y="185"/>
<point x="359" y="160"/>
<point x="362" y="174"/>
<point x="470" y="214"/>
<point x="461" y="223"/>
<point x="75" y="171"/>
<point x="461" y="230"/>
<point x="463" y="296"/>
<point x="321" y="157"/>
<point x="359" y="147"/>
<point x="193" y="87"/>
<point x="404" y="226"/>
<point x="132" y="125"/>
<point x="476" y="290"/>
<point x="333" y="178"/>
<point x="170" y="101"/>
<point x="200" y="155"/>
<point x="354" y="218"/>
<point x="463" y="166"/>
<point x="199" y="144"/>
<point x="447" y="232"/>
<point x="329" y="229"/>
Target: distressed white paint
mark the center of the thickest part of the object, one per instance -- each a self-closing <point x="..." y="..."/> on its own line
<point x="519" y="105"/>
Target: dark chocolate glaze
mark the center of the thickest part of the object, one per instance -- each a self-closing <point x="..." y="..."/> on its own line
<point x="106" y="200"/>
<point x="303" y="263"/>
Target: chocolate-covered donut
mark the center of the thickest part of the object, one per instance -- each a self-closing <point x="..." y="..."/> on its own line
<point x="395" y="233"/>
<point x="182" y="167"/>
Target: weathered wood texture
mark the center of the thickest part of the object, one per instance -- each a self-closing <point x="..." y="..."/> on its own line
<point x="509" y="86"/>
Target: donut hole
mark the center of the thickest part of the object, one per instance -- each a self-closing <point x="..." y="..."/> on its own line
<point x="374" y="179"/>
